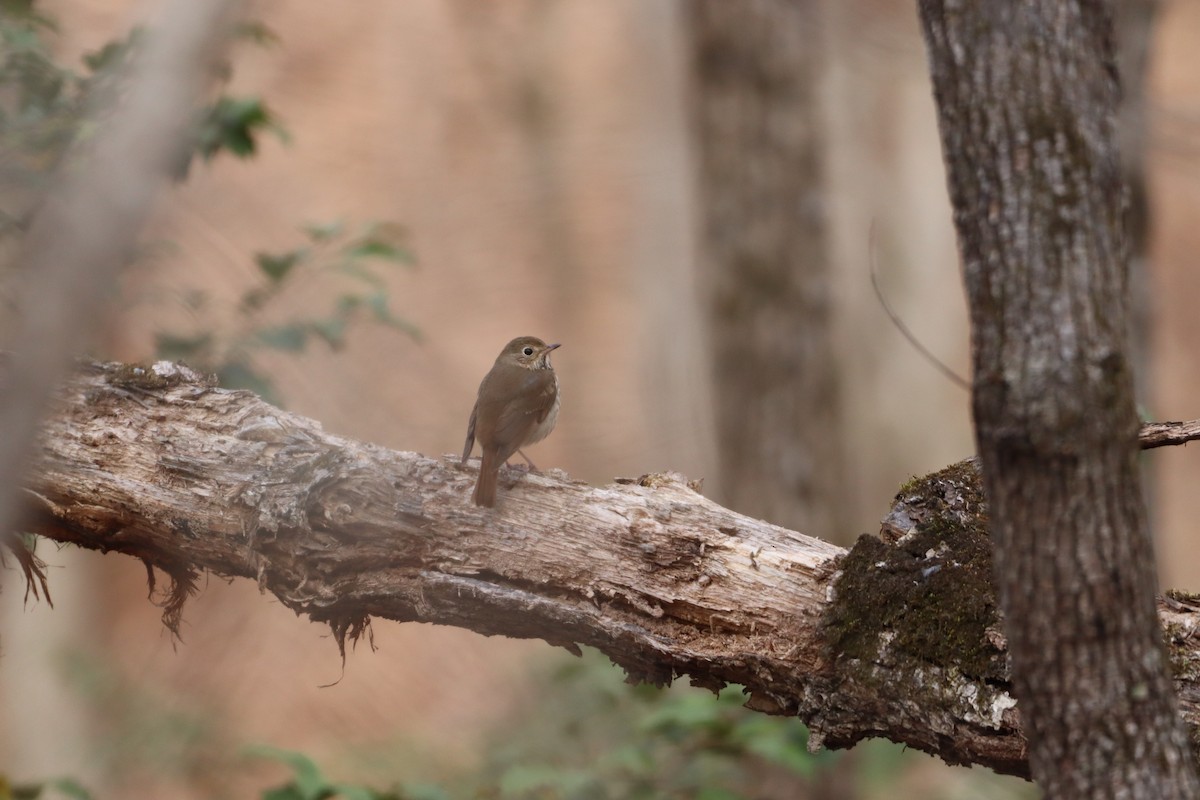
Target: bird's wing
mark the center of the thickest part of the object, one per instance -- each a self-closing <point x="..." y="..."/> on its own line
<point x="528" y="408"/>
<point x="470" y="434"/>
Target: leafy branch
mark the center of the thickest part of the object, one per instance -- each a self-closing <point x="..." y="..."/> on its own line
<point x="354" y="259"/>
<point x="44" y="105"/>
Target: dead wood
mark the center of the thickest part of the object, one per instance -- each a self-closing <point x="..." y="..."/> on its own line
<point x="895" y="638"/>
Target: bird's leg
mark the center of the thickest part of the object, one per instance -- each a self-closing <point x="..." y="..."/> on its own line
<point x="528" y="466"/>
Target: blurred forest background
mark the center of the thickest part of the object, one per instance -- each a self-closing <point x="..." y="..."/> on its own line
<point x="538" y="160"/>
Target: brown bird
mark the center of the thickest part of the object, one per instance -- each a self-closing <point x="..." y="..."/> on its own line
<point x="517" y="405"/>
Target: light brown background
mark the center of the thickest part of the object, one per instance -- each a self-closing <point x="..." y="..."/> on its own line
<point x="538" y="152"/>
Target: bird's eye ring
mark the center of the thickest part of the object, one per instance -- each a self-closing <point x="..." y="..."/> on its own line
<point x="528" y="351"/>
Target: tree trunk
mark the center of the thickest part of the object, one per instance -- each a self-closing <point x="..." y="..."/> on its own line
<point x="85" y="229"/>
<point x="765" y="256"/>
<point x="1028" y="96"/>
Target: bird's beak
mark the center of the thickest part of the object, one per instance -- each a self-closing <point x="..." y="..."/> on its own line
<point x="550" y="347"/>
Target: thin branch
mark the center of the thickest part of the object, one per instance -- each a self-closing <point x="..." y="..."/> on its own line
<point x="896" y="319"/>
<point x="1162" y="434"/>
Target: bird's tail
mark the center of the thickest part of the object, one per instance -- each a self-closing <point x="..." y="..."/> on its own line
<point x="485" y="486"/>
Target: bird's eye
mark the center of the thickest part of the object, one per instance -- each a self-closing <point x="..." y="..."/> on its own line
<point x="528" y="351"/>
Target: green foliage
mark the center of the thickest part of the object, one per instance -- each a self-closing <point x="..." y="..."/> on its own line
<point x="57" y="789"/>
<point x="234" y="125"/>
<point x="349" y="263"/>
<point x="586" y="736"/>
<point x="44" y="104"/>
<point x="144" y="729"/>
<point x="43" y="107"/>
<point x="593" y="737"/>
<point x="308" y="782"/>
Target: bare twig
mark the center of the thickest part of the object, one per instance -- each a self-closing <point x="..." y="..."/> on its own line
<point x="1162" y="434"/>
<point x="896" y="319"/>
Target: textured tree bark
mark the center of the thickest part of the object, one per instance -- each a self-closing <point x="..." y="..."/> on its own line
<point x="897" y="637"/>
<point x="765" y="257"/>
<point x="1027" y="96"/>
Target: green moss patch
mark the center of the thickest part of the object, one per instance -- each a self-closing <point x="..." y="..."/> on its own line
<point x="928" y="597"/>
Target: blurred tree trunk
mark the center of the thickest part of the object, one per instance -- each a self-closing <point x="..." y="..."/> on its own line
<point x="1028" y="97"/>
<point x="765" y="257"/>
<point x="1135" y="31"/>
<point x="1136" y="23"/>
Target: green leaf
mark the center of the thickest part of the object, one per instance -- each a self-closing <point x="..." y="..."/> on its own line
<point x="24" y="11"/>
<point x="285" y="792"/>
<point x="732" y="695"/>
<point x="778" y="742"/>
<point x="256" y="31"/>
<point x="378" y="248"/>
<point x="684" y="714"/>
<point x="276" y="267"/>
<point x="115" y="53"/>
<point x="424" y="791"/>
<point x="381" y="240"/>
<point x="236" y="119"/>
<point x="292" y="337"/>
<point x="520" y="780"/>
<point x="324" y="231"/>
<point x="233" y="124"/>
<point x="332" y="330"/>
<point x="378" y="303"/>
<point x="310" y="784"/>
<point x="178" y="348"/>
<point x="631" y="757"/>
<point x="717" y="793"/>
<point x="71" y="788"/>
<point x="355" y="269"/>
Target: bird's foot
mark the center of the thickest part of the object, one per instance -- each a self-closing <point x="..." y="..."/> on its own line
<point x="530" y="466"/>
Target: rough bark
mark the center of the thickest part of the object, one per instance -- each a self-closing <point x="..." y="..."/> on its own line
<point x="897" y="637"/>
<point x="764" y="252"/>
<point x="1027" y="97"/>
